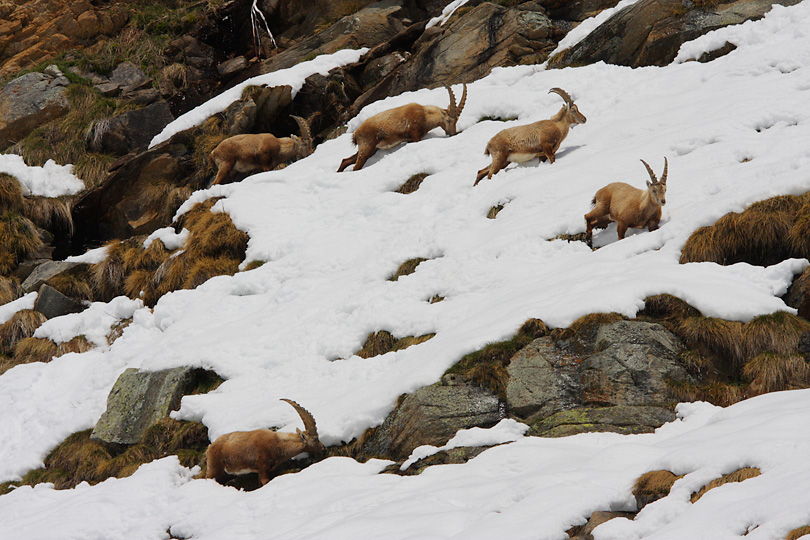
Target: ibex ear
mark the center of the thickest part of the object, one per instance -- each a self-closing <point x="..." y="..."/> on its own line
<point x="649" y="184"/>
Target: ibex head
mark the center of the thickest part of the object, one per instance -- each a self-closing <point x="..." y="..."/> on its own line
<point x="309" y="437"/>
<point x="303" y="144"/>
<point x="657" y="188"/>
<point x="450" y="114"/>
<point x="571" y="111"/>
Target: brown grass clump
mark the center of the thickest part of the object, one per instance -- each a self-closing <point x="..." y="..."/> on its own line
<point x="666" y="306"/>
<point x="109" y="275"/>
<point x="10" y="290"/>
<point x="11" y="194"/>
<point x="377" y="343"/>
<point x="49" y="213"/>
<point x="585" y="327"/>
<point x="719" y="337"/>
<point x="795" y="534"/>
<point x="197" y="212"/>
<point x="18" y="240"/>
<point x="739" y="475"/>
<point x="139" y="284"/>
<point x="72" y="286"/>
<point x="717" y="393"/>
<point x="412" y="183"/>
<point x="215" y="235"/>
<point x="205" y="268"/>
<point x="21" y="325"/>
<point x="31" y="349"/>
<point x="766" y="233"/>
<point x="493" y="212"/>
<point x="652" y="486"/>
<point x="253" y="265"/>
<point x="406" y="268"/>
<point x="533" y="328"/>
<point x="408" y="341"/>
<point x="773" y="372"/>
<point x="778" y="332"/>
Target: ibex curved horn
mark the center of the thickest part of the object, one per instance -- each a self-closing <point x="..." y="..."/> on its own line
<point x="455" y="110"/>
<point x="303" y="127"/>
<point x="652" y="174"/>
<point x="563" y="94"/>
<point x="306" y="417"/>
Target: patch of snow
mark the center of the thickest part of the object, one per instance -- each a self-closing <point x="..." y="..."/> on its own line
<point x="446" y="13"/>
<point x="171" y="239"/>
<point x="93" y="323"/>
<point x="8" y="309"/>
<point x="91" y="256"/>
<point x="50" y="180"/>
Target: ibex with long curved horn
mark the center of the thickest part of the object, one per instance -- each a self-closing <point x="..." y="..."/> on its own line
<point x="260" y="151"/>
<point x="408" y="123"/>
<point x="261" y="450"/>
<point x="628" y="206"/>
<point x="539" y="139"/>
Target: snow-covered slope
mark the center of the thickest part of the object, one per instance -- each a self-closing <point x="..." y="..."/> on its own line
<point x="734" y="131"/>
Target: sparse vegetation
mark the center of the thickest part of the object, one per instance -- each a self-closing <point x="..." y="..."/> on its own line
<point x="493" y="212"/>
<point x="21" y="325"/>
<point x="412" y="183"/>
<point x="652" y="486"/>
<point x="800" y="532"/>
<point x="10" y="290"/>
<point x="383" y="341"/>
<point x="406" y="268"/>
<point x="31" y="349"/>
<point x="740" y="475"/>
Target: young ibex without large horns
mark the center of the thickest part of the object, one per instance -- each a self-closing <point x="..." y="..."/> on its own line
<point x="408" y="123"/>
<point x="260" y="151"/>
<point x="262" y="450"/>
<point x="628" y="206"/>
<point x="540" y="139"/>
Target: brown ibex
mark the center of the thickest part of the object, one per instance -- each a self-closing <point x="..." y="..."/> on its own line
<point x="540" y="139"/>
<point x="408" y="123"/>
<point x="262" y="450"/>
<point x="260" y="151"/>
<point x="628" y="206"/>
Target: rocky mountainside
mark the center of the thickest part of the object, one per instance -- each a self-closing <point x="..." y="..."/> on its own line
<point x="90" y="84"/>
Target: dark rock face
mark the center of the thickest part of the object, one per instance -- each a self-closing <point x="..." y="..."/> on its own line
<point x="625" y="372"/>
<point x="30" y="101"/>
<point x="52" y="303"/>
<point x="798" y="295"/>
<point x="650" y="32"/>
<point x="134" y="129"/>
<point x="432" y="415"/>
<point x="138" y="400"/>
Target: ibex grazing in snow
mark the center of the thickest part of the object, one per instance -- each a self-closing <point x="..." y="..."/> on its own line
<point x="252" y="152"/>
<point x="261" y="450"/>
<point x="539" y="139"/>
<point x="408" y="123"/>
<point x="628" y="206"/>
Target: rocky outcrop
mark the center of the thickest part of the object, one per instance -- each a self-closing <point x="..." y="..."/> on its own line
<point x="133" y="129"/>
<point x="48" y="270"/>
<point x="798" y="295"/>
<point x="35" y="31"/>
<point x="617" y="382"/>
<point x="432" y="415"/>
<point x="650" y="32"/>
<point x="52" y="303"/>
<point x="30" y="101"/>
<point x="138" y="400"/>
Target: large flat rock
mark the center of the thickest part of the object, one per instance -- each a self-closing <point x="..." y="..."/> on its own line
<point x="30" y="101"/>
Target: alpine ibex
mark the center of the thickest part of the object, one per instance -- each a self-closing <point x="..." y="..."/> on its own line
<point x="260" y="151"/>
<point x="628" y="206"/>
<point x="408" y="123"/>
<point x="261" y="450"/>
<point x="540" y="139"/>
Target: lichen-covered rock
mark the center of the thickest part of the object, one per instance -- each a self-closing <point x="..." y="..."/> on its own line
<point x="432" y="415"/>
<point x="625" y="419"/>
<point x="624" y="363"/>
<point x="28" y="102"/>
<point x="138" y="400"/>
<point x="134" y="129"/>
<point x="48" y="270"/>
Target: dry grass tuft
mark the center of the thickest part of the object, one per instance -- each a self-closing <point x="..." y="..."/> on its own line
<point x="533" y="328"/>
<point x="795" y="534"/>
<point x="408" y="341"/>
<point x="21" y="325"/>
<point x="777" y="332"/>
<point x="717" y="393"/>
<point x="140" y="284"/>
<point x="172" y="274"/>
<point x="18" y="240"/>
<point x="493" y="212"/>
<point x="585" y="328"/>
<point x="197" y="212"/>
<point x="108" y="276"/>
<point x="773" y="372"/>
<point x="79" y="344"/>
<point x="72" y="286"/>
<point x="11" y="194"/>
<point x="666" y="306"/>
<point x="701" y="246"/>
<point x="205" y="268"/>
<point x="31" y="349"/>
<point x="377" y="343"/>
<point x="10" y="290"/>
<point x="799" y="236"/>
<point x="207" y="136"/>
<point x="49" y="213"/>
<point x="406" y="268"/>
<point x="739" y="475"/>
<point x="152" y="257"/>
<point x="652" y="486"/>
<point x="412" y="183"/>
<point x="719" y="337"/>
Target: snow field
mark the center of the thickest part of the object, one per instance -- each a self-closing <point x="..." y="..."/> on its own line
<point x="734" y="132"/>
